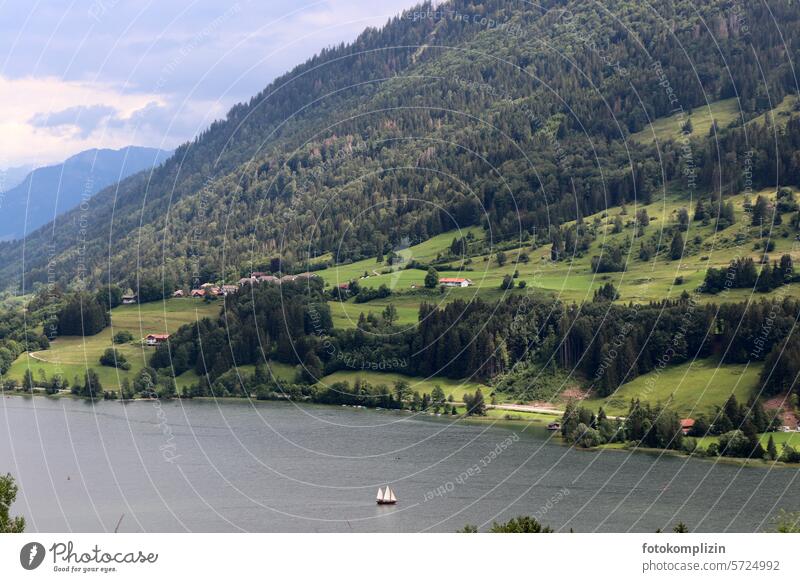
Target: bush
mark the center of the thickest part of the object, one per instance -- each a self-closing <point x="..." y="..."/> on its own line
<point x="122" y="337"/>
<point x="586" y="437"/>
<point x="114" y="359"/>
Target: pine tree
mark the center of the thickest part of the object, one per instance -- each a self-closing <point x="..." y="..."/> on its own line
<point x="772" y="451"/>
<point x="27" y="381"/>
<point x="700" y="210"/>
<point x="676" y="248"/>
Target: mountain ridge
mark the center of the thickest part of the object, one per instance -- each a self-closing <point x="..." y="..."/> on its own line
<point x="49" y="191"/>
<point x="255" y="184"/>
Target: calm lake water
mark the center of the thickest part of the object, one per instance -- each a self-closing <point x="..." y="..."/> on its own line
<point x="234" y="465"/>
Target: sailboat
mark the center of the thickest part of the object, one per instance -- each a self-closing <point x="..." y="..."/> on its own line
<point x="386" y="497"/>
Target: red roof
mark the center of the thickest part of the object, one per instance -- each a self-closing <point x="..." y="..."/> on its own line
<point x="687" y="422"/>
<point x="158" y="336"/>
<point x="452" y="280"/>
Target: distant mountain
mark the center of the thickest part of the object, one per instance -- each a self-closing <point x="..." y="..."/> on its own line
<point x="11" y="177"/>
<point x="46" y="192"/>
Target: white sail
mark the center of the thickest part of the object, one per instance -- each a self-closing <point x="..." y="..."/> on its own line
<point x="391" y="495"/>
<point x="380" y="494"/>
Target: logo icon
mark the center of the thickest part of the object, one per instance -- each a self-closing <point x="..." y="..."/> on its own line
<point x="31" y="555"/>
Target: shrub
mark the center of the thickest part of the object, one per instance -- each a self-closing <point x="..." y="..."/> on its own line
<point x="114" y="359"/>
<point x="122" y="337"/>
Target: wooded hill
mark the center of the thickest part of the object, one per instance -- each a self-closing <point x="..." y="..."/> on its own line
<point x="503" y="114"/>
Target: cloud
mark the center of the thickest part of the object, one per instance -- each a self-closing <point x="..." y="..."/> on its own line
<point x="47" y="119"/>
<point x="151" y="74"/>
<point x="84" y="119"/>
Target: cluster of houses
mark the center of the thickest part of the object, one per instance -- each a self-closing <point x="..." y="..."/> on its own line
<point x="208" y="289"/>
<point x="255" y="277"/>
<point x="259" y="277"/>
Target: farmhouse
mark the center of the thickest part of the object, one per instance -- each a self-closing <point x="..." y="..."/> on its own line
<point x="268" y="279"/>
<point x="198" y="293"/>
<point x="154" y="339"/>
<point x="179" y="293"/>
<point x="228" y="289"/>
<point x="129" y="299"/>
<point x="247" y="281"/>
<point x="455" y="282"/>
<point x="687" y="424"/>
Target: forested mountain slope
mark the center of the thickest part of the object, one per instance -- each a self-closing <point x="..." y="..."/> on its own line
<point x="501" y="113"/>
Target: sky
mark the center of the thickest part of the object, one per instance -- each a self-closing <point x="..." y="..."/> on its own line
<point x="80" y="74"/>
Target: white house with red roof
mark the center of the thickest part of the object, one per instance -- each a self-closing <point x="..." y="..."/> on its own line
<point x="455" y="282"/>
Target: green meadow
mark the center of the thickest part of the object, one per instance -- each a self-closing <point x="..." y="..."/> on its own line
<point x="725" y="112"/>
<point x="572" y="279"/>
<point x="72" y="356"/>
<point x="688" y="388"/>
<point x="456" y="388"/>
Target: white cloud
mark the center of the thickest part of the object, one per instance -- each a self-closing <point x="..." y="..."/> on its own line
<point x="46" y="119"/>
<point x="167" y="69"/>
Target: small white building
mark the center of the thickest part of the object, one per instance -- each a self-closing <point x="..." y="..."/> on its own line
<point x="455" y="282"/>
<point x="154" y="339"/>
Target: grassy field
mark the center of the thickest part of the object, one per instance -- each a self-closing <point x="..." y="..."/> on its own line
<point x="573" y="279"/>
<point x="669" y="128"/>
<point x="724" y="112"/>
<point x="780" y="438"/>
<point x="396" y="277"/>
<point x="455" y="387"/>
<point x="688" y="388"/>
<point x="71" y="356"/>
<point x="283" y="372"/>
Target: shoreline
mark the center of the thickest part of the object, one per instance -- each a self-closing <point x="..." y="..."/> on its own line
<point x="538" y="418"/>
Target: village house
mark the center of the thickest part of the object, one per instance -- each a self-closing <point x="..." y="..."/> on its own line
<point x="154" y="339"/>
<point x="687" y="424"/>
<point x="179" y="293"/>
<point x="258" y="274"/>
<point x="455" y="282"/>
<point x="247" y="281"/>
<point x="198" y="293"/>
<point x="228" y="289"/>
<point x="269" y="279"/>
<point x="129" y="299"/>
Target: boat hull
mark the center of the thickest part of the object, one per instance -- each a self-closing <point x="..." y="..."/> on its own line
<point x="381" y="502"/>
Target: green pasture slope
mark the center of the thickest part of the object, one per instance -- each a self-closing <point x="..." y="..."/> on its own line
<point x="573" y="279"/>
<point x="455" y="387"/>
<point x="71" y="356"/>
<point x="688" y="388"/>
<point x="725" y="112"/>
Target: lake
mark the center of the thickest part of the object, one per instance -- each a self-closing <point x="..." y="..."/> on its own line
<point x="235" y="465"/>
